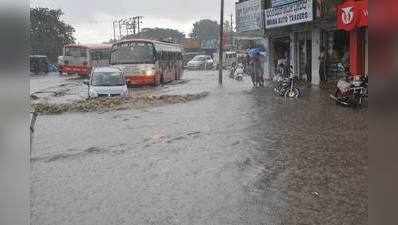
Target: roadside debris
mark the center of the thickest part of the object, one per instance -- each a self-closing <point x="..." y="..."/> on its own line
<point x="110" y="104"/>
<point x="316" y="194"/>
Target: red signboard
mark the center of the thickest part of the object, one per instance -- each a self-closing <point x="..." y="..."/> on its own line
<point x="363" y="13"/>
<point x="352" y="14"/>
<point x="347" y="16"/>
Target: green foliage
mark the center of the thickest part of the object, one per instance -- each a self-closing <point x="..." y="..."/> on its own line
<point x="159" y="34"/>
<point x="48" y="34"/>
<point x="205" y="30"/>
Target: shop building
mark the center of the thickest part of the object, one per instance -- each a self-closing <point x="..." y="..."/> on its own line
<point x="305" y="33"/>
<point x="352" y="19"/>
<point x="308" y="35"/>
<point x="294" y="38"/>
<point x="249" y="17"/>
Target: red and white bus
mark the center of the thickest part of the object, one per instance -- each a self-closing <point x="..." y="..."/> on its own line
<point x="147" y="62"/>
<point x="80" y="59"/>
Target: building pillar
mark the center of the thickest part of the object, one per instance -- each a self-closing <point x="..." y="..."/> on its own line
<point x="316" y="53"/>
<point x="271" y="64"/>
<point x="293" y="52"/>
<point x="355" y="53"/>
<point x="266" y="65"/>
<point x="366" y="43"/>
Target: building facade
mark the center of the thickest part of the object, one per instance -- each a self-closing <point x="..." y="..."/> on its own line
<point x="249" y="17"/>
<point x="305" y="34"/>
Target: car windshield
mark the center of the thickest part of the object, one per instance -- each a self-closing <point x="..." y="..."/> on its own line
<point x="133" y="53"/>
<point x="107" y="79"/>
<point x="199" y="58"/>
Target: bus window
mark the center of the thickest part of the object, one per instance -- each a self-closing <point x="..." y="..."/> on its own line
<point x="100" y="54"/>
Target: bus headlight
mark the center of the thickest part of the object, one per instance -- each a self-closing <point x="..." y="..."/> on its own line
<point x="149" y="72"/>
<point x="93" y="94"/>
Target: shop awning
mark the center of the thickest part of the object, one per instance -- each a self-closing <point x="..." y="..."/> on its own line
<point x="352" y="14"/>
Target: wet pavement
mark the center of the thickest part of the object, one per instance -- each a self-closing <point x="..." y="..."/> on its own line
<point x="238" y="156"/>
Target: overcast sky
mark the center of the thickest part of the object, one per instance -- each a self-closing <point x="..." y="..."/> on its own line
<point x="93" y="19"/>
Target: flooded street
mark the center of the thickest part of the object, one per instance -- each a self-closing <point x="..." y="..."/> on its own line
<point x="239" y="155"/>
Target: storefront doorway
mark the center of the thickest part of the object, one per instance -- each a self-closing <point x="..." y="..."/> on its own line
<point x="335" y="45"/>
<point x="280" y="52"/>
<point x="304" y="56"/>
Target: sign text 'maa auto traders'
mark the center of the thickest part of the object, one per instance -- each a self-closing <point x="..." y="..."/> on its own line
<point x="298" y="12"/>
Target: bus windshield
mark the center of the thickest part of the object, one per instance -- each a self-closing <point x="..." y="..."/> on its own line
<point x="75" y="52"/>
<point x="133" y="53"/>
<point x="100" y="54"/>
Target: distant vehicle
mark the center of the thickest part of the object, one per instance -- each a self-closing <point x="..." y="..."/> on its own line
<point x="201" y="62"/>
<point x="38" y="64"/>
<point x="80" y="59"/>
<point x="148" y="62"/>
<point x="60" y="60"/>
<point x="188" y="56"/>
<point x="230" y="58"/>
<point x="106" y="82"/>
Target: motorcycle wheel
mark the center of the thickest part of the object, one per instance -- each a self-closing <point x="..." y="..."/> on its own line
<point x="276" y="91"/>
<point x="292" y="93"/>
<point x="339" y="95"/>
<point x="358" y="101"/>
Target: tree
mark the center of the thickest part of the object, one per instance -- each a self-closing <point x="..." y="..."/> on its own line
<point x="205" y="30"/>
<point x="48" y="34"/>
<point x="160" y="34"/>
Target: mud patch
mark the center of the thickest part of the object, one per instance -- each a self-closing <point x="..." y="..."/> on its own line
<point x="168" y="140"/>
<point x="76" y="78"/>
<point x="73" y="154"/>
<point x="112" y="104"/>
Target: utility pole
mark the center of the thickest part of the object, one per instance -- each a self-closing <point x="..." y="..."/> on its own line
<point x="114" y="32"/>
<point x="127" y="26"/>
<point x="231" y="21"/>
<point x="231" y="41"/>
<point x="220" y="57"/>
<point x="120" y="30"/>
<point x="138" y="23"/>
<point x="134" y="25"/>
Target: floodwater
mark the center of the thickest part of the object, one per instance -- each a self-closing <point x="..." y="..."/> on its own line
<point x="238" y="156"/>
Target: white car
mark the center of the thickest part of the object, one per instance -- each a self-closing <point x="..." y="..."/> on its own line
<point x="200" y="62"/>
<point x="106" y="82"/>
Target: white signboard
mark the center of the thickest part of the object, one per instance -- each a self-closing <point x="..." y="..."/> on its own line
<point x="298" y="12"/>
<point x="275" y="3"/>
<point x="248" y="15"/>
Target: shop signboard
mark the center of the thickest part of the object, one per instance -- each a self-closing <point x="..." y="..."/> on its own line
<point x="209" y="44"/>
<point x="275" y="3"/>
<point x="248" y="16"/>
<point x="294" y="13"/>
<point x="352" y="14"/>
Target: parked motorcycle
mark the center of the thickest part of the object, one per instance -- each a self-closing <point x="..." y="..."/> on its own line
<point x="237" y="72"/>
<point x="351" y="91"/>
<point x="286" y="87"/>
